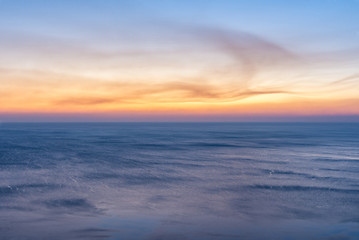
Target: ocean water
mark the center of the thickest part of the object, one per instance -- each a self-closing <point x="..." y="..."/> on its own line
<point x="179" y="181"/>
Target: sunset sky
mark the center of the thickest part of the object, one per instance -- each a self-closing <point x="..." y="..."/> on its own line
<point x="107" y="60"/>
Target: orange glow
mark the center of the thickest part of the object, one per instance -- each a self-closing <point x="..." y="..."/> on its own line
<point x="219" y="73"/>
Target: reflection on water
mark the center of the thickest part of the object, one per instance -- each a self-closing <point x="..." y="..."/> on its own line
<point x="179" y="181"/>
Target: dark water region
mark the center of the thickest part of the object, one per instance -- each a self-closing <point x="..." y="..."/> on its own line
<point x="179" y="181"/>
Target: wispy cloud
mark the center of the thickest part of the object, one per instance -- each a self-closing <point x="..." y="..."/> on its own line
<point x="233" y="71"/>
<point x="251" y="52"/>
<point x="347" y="80"/>
<point x="85" y="101"/>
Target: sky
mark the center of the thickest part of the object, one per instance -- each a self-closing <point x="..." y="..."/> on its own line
<point x="179" y="60"/>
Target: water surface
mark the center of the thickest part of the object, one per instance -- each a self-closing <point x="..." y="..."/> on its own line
<point x="179" y="181"/>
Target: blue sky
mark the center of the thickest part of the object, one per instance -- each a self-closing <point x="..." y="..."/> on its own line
<point x="237" y="52"/>
<point x="276" y="18"/>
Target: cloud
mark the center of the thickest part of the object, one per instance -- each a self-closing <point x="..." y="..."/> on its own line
<point x="349" y="79"/>
<point x="249" y="55"/>
<point x="85" y="101"/>
<point x="172" y="92"/>
<point x="250" y="52"/>
<point x="233" y="72"/>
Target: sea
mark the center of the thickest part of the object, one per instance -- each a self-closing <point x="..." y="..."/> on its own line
<point x="179" y="181"/>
